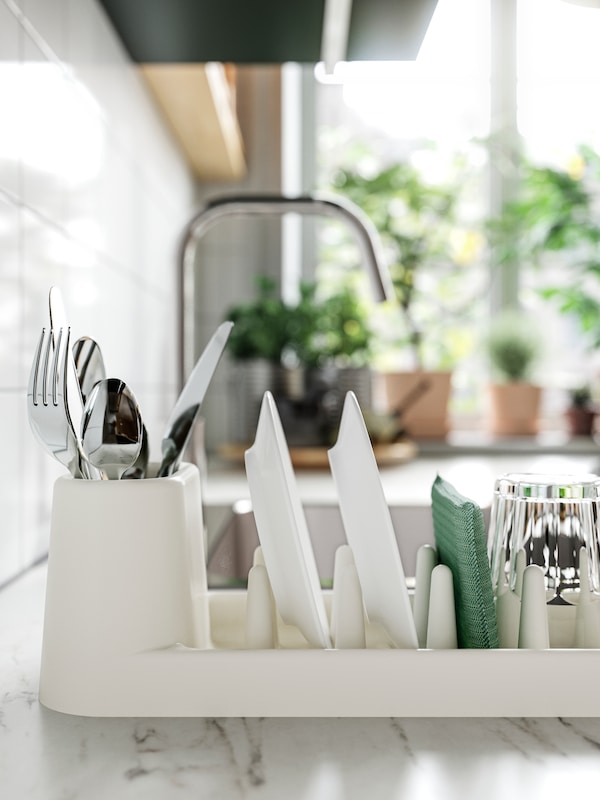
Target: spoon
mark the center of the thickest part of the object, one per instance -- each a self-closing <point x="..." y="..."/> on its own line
<point x="89" y="364"/>
<point x="111" y="430"/>
<point x="140" y="466"/>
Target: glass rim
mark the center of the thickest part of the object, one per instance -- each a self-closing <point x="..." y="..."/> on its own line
<point x="540" y="486"/>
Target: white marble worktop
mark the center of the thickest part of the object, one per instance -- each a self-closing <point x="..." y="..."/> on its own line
<point x="49" y="756"/>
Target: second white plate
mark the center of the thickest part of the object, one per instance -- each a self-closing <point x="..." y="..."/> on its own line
<point x="369" y="529"/>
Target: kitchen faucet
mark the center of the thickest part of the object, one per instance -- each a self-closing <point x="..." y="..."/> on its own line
<point x="272" y="204"/>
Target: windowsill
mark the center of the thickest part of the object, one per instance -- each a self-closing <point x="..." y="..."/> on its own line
<point x="477" y="442"/>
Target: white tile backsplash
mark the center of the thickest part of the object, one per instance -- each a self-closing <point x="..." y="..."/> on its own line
<point x="93" y="197"/>
<point x="10" y="494"/>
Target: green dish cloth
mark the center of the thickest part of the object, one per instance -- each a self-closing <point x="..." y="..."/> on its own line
<point x="461" y="544"/>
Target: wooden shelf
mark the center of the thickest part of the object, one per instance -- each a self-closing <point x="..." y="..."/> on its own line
<point x="198" y="102"/>
<point x="316" y="457"/>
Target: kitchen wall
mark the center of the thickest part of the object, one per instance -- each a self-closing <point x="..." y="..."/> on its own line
<point x="93" y="195"/>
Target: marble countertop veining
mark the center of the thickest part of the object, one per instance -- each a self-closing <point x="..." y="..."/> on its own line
<point x="49" y="756"/>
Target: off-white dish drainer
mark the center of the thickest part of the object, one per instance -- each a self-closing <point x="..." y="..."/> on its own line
<point x="132" y="630"/>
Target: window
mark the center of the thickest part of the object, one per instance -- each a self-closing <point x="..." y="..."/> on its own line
<point x="448" y="104"/>
<point x="558" y="81"/>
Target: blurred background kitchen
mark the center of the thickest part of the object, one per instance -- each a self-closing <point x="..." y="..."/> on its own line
<point x="473" y="149"/>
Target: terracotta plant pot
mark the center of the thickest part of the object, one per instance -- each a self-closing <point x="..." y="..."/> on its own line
<point x="580" y="421"/>
<point x="427" y="416"/>
<point x="514" y="409"/>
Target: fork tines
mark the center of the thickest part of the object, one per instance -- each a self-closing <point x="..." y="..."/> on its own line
<point x="47" y="373"/>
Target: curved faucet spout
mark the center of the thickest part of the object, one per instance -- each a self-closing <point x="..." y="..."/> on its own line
<point x="273" y="204"/>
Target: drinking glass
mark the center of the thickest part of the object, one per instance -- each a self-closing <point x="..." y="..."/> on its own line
<point x="548" y="518"/>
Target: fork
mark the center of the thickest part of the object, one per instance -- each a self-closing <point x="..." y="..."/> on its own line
<point x="48" y="407"/>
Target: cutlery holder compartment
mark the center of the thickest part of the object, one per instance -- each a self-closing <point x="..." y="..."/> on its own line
<point x="125" y="574"/>
<point x="130" y="629"/>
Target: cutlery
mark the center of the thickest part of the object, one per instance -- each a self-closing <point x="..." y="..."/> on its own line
<point x="140" y="466"/>
<point x="183" y="417"/>
<point x="369" y="529"/>
<point x="47" y="402"/>
<point x="282" y="529"/>
<point x="111" y="430"/>
<point x="73" y="399"/>
<point x="58" y="315"/>
<point x="89" y="364"/>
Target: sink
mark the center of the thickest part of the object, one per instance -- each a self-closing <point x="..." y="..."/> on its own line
<point x="231" y="548"/>
<point x="231" y="530"/>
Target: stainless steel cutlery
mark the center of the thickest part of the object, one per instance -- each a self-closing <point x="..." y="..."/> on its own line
<point x="92" y="424"/>
<point x="186" y="409"/>
<point x="111" y="430"/>
<point x="89" y="364"/>
<point x="49" y="407"/>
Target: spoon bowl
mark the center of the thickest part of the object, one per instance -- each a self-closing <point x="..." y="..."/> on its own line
<point x="112" y="430"/>
<point x="139" y="468"/>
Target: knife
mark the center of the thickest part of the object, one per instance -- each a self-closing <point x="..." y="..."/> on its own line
<point x="181" y="422"/>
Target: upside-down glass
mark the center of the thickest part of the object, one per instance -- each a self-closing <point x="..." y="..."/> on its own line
<point x="550" y="518"/>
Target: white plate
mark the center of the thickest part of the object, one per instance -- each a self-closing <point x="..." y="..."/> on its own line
<point x="369" y="529"/>
<point x="282" y="529"/>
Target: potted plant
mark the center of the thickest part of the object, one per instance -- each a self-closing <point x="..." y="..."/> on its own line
<point x="255" y="343"/>
<point x="428" y="254"/>
<point x="326" y="354"/>
<point x="308" y="354"/>
<point x="514" y="401"/>
<point x="581" y="411"/>
<point x="260" y="326"/>
<point x="553" y="221"/>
